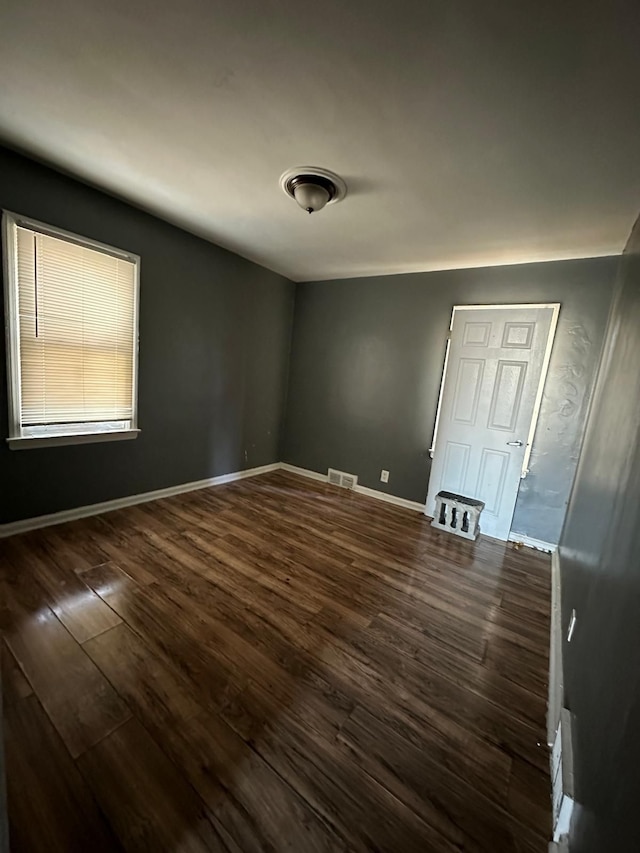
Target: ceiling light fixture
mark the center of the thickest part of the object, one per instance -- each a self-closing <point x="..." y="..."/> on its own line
<point x="313" y="188"/>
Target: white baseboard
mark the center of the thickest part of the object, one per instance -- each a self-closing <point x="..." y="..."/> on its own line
<point x="37" y="522"/>
<point x="556" y="680"/>
<point x="530" y="542"/>
<point x="303" y="472"/>
<point x="390" y="499"/>
<point x="360" y="490"/>
<point x="107" y="506"/>
<point x="560" y="723"/>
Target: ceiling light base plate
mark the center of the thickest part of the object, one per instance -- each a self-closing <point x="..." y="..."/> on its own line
<point x="333" y="183"/>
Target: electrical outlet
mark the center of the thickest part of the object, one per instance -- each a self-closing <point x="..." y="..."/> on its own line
<point x="384" y="476"/>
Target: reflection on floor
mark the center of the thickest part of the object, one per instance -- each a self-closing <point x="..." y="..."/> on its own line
<point x="274" y="665"/>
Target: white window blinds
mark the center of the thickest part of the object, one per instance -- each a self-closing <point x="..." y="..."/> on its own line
<point x="76" y="336"/>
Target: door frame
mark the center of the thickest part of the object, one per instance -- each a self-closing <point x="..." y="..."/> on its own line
<point x="543" y="372"/>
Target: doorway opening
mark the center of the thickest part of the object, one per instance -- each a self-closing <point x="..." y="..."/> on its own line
<point x="493" y="379"/>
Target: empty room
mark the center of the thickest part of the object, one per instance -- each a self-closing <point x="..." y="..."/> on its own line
<point x="320" y="426"/>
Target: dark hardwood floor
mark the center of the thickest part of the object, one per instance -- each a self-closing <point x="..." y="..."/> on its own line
<point x="273" y="665"/>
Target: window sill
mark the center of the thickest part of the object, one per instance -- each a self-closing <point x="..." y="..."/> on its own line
<point x="30" y="442"/>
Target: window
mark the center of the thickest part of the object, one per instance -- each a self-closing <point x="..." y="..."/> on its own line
<point x="72" y="336"/>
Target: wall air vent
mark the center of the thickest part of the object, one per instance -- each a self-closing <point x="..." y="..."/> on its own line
<point x="340" y="478"/>
<point x="562" y="778"/>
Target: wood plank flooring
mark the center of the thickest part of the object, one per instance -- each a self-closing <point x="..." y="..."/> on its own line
<point x="273" y="665"/>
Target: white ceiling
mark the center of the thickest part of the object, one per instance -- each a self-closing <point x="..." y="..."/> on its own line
<point x="469" y="133"/>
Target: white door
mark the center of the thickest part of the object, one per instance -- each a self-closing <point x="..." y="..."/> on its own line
<point x="493" y="382"/>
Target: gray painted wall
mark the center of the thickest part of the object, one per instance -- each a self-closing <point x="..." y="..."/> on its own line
<point x="215" y="334"/>
<point x="600" y="574"/>
<point x="367" y="359"/>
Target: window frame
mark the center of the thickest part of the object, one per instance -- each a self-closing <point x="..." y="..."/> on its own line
<point x="16" y="439"/>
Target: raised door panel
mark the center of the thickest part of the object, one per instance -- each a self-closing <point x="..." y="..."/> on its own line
<point x="476" y="334"/>
<point x="491" y="479"/>
<point x="507" y="395"/>
<point x="518" y="335"/>
<point x="467" y="391"/>
<point x="456" y="464"/>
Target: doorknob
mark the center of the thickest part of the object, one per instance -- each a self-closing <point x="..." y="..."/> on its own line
<point x="514" y="443"/>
